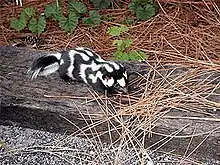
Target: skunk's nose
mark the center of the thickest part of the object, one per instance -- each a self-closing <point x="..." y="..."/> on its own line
<point x="124" y="90"/>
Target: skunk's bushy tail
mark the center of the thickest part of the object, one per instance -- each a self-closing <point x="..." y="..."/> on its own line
<point x="45" y="65"/>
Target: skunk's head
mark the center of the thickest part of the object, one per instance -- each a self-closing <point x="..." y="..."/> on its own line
<point x="115" y="80"/>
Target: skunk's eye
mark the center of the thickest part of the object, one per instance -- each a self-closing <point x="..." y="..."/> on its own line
<point x="116" y="85"/>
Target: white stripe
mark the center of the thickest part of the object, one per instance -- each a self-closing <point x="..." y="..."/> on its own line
<point x="90" y="53"/>
<point x="100" y="59"/>
<point x="83" y="68"/>
<point x="80" y="48"/>
<point x="49" y="69"/>
<point x="83" y="55"/>
<point x="71" y="67"/>
<point x="57" y="55"/>
<point x="116" y="66"/>
<point x="82" y="74"/>
<point x="125" y="75"/>
<point x="35" y="74"/>
<point x="108" y="68"/>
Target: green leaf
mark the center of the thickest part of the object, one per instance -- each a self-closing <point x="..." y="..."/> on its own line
<point x="69" y="24"/>
<point x="136" y="55"/>
<point x="37" y="26"/>
<point x="129" y="56"/>
<point x="147" y="13"/>
<point x="117" y="30"/>
<point x="129" y="21"/>
<point x="101" y="4"/>
<point x="144" y="9"/>
<point x="124" y="56"/>
<point x="120" y="56"/>
<point x="29" y="11"/>
<point x="53" y="11"/>
<point x="50" y="10"/>
<point x="18" y="24"/>
<point x="122" y="44"/>
<point x="133" y="5"/>
<point x="95" y="16"/>
<point x="93" y="19"/>
<point x="78" y="7"/>
<point x="87" y="20"/>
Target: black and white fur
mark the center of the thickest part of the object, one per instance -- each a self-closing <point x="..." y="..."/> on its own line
<point x="84" y="65"/>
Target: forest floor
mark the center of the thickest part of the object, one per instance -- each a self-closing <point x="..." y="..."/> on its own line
<point x="182" y="31"/>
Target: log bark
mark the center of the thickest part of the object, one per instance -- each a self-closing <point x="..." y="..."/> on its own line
<point x="24" y="103"/>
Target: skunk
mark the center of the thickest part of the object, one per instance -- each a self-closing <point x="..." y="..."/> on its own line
<point x="83" y="65"/>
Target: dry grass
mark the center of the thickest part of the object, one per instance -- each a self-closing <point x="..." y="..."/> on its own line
<point x="183" y="43"/>
<point x="131" y="119"/>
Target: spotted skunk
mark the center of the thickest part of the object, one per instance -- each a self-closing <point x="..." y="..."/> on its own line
<point x="84" y="65"/>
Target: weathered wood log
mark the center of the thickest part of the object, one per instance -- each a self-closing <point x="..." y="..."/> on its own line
<point x="24" y="103"/>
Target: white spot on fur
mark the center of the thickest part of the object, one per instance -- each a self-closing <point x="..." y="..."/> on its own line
<point x="61" y="62"/>
<point x="94" y="66"/>
<point x="99" y="75"/>
<point x="93" y="78"/>
<point x="108" y="82"/>
<point x="122" y="82"/>
<point x="125" y="75"/>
